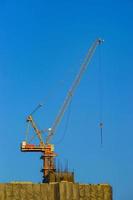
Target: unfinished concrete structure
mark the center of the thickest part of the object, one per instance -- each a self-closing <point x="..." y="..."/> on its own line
<point x="55" y="191"/>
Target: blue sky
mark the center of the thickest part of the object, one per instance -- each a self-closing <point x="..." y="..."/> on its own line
<point x="42" y="44"/>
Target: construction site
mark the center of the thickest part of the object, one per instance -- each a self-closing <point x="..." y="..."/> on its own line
<point x="57" y="184"/>
<point x="66" y="82"/>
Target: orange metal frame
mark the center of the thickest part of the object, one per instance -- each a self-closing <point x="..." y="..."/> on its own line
<point x="47" y="156"/>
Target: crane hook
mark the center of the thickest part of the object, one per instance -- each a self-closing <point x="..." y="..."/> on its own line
<point x="101" y="131"/>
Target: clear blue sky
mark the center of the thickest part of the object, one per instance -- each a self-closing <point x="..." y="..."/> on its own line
<point x="42" y="44"/>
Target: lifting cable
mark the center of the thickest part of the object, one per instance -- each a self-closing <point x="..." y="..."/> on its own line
<point x="27" y="132"/>
<point x="100" y="83"/>
<point x="51" y="93"/>
<point x="45" y="100"/>
<point x="66" y="124"/>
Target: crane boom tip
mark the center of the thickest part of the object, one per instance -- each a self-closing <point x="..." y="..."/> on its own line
<point x="100" y="41"/>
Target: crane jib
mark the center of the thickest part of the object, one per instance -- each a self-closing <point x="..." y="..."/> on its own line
<point x="71" y="91"/>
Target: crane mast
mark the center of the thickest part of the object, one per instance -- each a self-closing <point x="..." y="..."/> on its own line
<point x="71" y="91"/>
<point x="47" y="149"/>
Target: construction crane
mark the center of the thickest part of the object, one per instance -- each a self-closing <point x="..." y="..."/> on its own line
<point x="46" y="148"/>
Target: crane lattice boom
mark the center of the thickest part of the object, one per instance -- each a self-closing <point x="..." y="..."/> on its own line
<point x="70" y="93"/>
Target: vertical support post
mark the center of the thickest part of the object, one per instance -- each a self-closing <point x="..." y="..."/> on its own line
<point x="48" y="164"/>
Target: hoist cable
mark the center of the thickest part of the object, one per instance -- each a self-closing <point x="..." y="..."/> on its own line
<point x="36" y="109"/>
<point x="70" y="93"/>
<point x="100" y="97"/>
<point x="51" y="93"/>
<point x="27" y="132"/>
<point x="66" y="125"/>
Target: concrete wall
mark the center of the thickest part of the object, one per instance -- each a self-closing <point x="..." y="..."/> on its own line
<point x="54" y="191"/>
